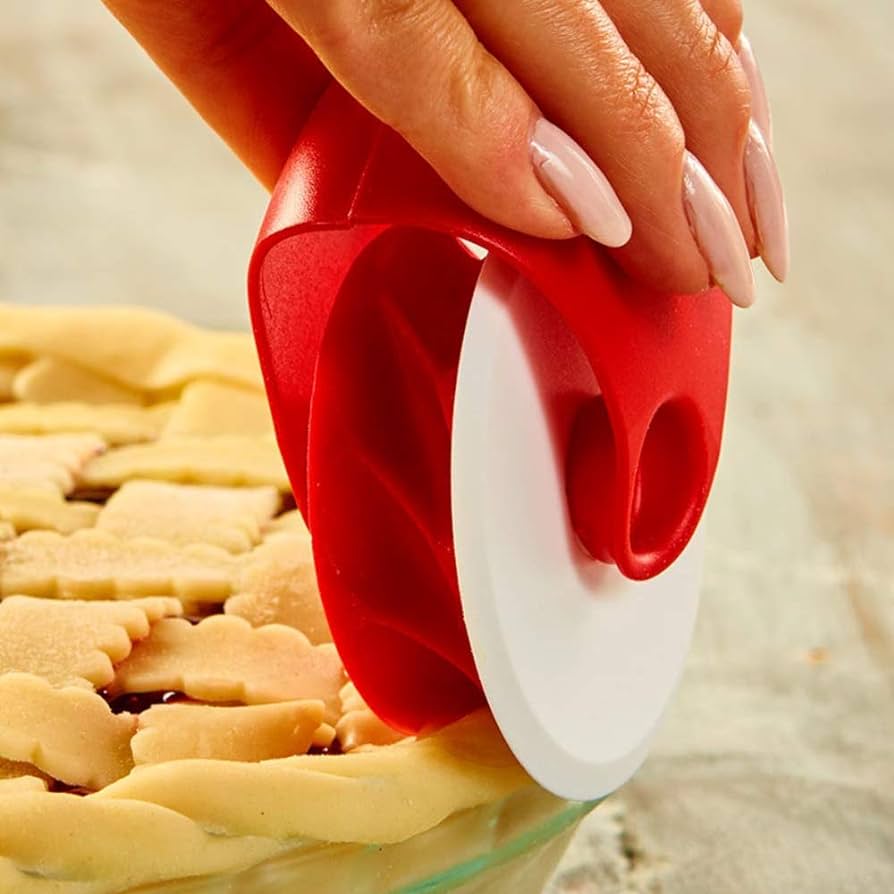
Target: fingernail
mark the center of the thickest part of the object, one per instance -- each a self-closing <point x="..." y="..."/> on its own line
<point x="760" y="105"/>
<point x="766" y="203"/>
<point x="580" y="188"/>
<point x="716" y="232"/>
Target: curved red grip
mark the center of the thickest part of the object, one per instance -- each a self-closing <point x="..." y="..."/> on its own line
<point x="359" y="292"/>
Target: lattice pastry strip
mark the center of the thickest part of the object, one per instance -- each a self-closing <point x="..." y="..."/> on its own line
<point x="245" y="733"/>
<point x="116" y="424"/>
<point x="168" y="353"/>
<point x="74" y="643"/>
<point x="29" y="509"/>
<point x="209" y="409"/>
<point x="225" y="659"/>
<point x="71" y="734"/>
<point x="93" y="564"/>
<point x="358" y="725"/>
<point x="50" y="380"/>
<point x="277" y="584"/>
<point x="230" y="460"/>
<point x="48" y="462"/>
<point x="228" y="517"/>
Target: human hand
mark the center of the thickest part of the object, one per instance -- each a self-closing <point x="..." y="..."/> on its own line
<point x="635" y="122"/>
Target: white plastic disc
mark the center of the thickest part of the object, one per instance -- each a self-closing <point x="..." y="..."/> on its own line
<point x="577" y="662"/>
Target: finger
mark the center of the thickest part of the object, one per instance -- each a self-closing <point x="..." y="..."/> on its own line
<point x="419" y="67"/>
<point x="698" y="70"/>
<point x="244" y="70"/>
<point x="576" y="65"/>
<point x="727" y="16"/>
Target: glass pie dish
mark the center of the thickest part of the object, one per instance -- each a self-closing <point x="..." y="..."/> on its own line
<point x="511" y="846"/>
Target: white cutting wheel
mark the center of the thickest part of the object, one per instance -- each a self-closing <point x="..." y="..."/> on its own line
<point x="577" y="662"/>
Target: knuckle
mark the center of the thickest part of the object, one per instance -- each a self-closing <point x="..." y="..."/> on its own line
<point x="644" y="96"/>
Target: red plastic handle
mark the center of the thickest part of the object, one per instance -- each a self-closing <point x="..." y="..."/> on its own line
<point x="359" y="292"/>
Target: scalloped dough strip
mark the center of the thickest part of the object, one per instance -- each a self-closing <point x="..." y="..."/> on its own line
<point x="277" y="584"/>
<point x="29" y="509"/>
<point x="225" y="659"/>
<point x="7" y="531"/>
<point x="101" y="339"/>
<point x="91" y="564"/>
<point x="358" y="725"/>
<point x="250" y="733"/>
<point x="117" y="424"/>
<point x="74" y="643"/>
<point x="227" y="460"/>
<point x="228" y="517"/>
<point x="209" y="409"/>
<point x="50" y="380"/>
<point x="46" y="461"/>
<point x="70" y="734"/>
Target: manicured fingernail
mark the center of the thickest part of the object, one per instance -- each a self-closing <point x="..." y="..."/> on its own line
<point x="760" y="105"/>
<point x="717" y="233"/>
<point x="766" y="203"/>
<point x="580" y="188"/>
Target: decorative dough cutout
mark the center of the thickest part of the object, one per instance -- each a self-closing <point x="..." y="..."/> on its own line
<point x="93" y="564"/>
<point x="277" y="584"/>
<point x="48" y="462"/>
<point x="230" y="518"/>
<point x="225" y="659"/>
<point x="28" y="509"/>
<point x="209" y="409"/>
<point x="169" y="354"/>
<point x="228" y="461"/>
<point x="74" y="643"/>
<point x="50" y="380"/>
<point x="70" y="734"/>
<point x="252" y="733"/>
<point x="358" y="725"/>
<point x="114" y="423"/>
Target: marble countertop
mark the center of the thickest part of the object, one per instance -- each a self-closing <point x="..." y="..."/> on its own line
<point x="774" y="771"/>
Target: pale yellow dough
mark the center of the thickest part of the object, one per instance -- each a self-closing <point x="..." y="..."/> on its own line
<point x="51" y="380"/>
<point x="29" y="508"/>
<point x="74" y="643"/>
<point x="231" y="518"/>
<point x="91" y="564"/>
<point x="71" y="734"/>
<point x="225" y="659"/>
<point x="212" y="409"/>
<point x="245" y="733"/>
<point x="140" y="348"/>
<point x="116" y="424"/>
<point x="231" y="461"/>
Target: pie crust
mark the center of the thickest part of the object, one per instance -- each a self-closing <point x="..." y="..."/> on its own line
<point x="171" y="703"/>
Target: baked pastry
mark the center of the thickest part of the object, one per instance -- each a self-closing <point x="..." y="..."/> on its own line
<point x="171" y="703"/>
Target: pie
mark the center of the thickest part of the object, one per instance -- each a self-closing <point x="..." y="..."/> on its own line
<point x="171" y="704"/>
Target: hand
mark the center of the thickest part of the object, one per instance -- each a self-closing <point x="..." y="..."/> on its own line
<point x="635" y="122"/>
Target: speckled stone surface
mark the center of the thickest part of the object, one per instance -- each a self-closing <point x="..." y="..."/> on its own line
<point x="774" y="771"/>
